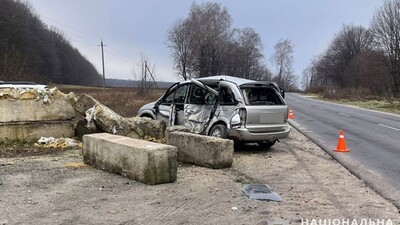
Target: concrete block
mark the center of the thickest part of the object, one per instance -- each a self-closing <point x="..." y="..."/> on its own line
<point x="18" y="110"/>
<point x="34" y="130"/>
<point x="202" y="150"/>
<point x="174" y="129"/>
<point x="144" y="161"/>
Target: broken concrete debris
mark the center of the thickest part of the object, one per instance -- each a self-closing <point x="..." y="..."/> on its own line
<point x="147" y="162"/>
<point x="108" y="121"/>
<point x="202" y="150"/>
<point x="28" y="114"/>
<point x="34" y="130"/>
<point x="261" y="192"/>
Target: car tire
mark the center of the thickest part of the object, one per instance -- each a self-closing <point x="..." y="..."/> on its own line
<point x="266" y="144"/>
<point x="219" y="131"/>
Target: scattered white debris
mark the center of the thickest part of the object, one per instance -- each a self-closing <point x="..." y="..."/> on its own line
<point x="45" y="140"/>
<point x="90" y="115"/>
<point x="234" y="208"/>
<point x="51" y="142"/>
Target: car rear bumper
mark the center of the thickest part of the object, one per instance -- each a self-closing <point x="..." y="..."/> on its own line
<point x="243" y="134"/>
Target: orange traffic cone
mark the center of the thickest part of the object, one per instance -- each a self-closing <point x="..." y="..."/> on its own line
<point x="341" y="146"/>
<point x="291" y="115"/>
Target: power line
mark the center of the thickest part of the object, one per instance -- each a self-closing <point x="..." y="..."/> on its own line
<point x="83" y="42"/>
<point x="72" y="28"/>
<point x="118" y="56"/>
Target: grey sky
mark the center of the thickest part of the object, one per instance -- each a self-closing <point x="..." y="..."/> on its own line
<point x="132" y="27"/>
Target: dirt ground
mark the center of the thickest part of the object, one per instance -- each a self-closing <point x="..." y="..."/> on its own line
<point x="58" y="189"/>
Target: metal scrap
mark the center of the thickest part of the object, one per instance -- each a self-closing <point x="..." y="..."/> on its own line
<point x="261" y="192"/>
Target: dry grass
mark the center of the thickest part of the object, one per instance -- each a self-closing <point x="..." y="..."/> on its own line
<point x="361" y="97"/>
<point x="391" y="106"/>
<point x="124" y="101"/>
<point x="374" y="103"/>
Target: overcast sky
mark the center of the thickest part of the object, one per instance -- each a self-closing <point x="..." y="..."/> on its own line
<point x="132" y="27"/>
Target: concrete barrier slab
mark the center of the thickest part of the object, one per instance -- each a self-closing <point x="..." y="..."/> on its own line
<point x="202" y="150"/>
<point x="144" y="161"/>
<point x="18" y="110"/>
<point x="34" y="130"/>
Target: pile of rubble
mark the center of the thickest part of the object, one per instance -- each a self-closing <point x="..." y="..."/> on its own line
<point x="99" y="118"/>
<point x="29" y="114"/>
<point x="122" y="144"/>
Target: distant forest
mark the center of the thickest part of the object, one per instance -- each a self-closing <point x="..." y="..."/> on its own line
<point x="30" y="51"/>
<point x="135" y="83"/>
<point x="360" y="61"/>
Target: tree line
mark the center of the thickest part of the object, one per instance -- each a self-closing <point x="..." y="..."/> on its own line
<point x="360" y="60"/>
<point x="30" y="51"/>
<point x="204" y="43"/>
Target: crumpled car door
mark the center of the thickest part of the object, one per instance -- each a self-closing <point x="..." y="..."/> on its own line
<point x="200" y="107"/>
<point x="197" y="117"/>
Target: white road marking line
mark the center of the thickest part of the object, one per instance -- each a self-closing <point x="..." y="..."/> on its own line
<point x="344" y="114"/>
<point x="393" y="128"/>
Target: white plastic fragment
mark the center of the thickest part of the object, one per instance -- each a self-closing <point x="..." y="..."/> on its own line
<point x="45" y="140"/>
<point x="90" y="115"/>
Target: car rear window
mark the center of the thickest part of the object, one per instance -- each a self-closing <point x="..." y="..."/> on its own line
<point x="261" y="96"/>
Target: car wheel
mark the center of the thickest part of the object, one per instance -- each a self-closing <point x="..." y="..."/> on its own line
<point x="219" y="131"/>
<point x="266" y="144"/>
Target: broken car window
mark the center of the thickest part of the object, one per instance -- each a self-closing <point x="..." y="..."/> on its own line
<point x="226" y="96"/>
<point x="177" y="96"/>
<point x="200" y="96"/>
<point x="261" y="96"/>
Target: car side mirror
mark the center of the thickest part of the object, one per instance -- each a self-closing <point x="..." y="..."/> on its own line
<point x="283" y="93"/>
<point x="156" y="106"/>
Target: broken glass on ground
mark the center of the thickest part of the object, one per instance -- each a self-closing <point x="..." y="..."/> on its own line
<point x="261" y="192"/>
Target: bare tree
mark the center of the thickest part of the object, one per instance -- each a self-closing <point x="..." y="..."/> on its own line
<point x="251" y="63"/>
<point x="179" y="40"/>
<point x="283" y="60"/>
<point x="336" y="68"/>
<point x="386" y="30"/>
<point x="145" y="73"/>
<point x="244" y="57"/>
<point x="204" y="44"/>
<point x="211" y="28"/>
<point x="199" y="41"/>
<point x="350" y="42"/>
<point x="306" y="76"/>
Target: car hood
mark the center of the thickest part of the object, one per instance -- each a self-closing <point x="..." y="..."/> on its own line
<point x="148" y="106"/>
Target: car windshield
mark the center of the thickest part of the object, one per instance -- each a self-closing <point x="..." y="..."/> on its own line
<point x="261" y="96"/>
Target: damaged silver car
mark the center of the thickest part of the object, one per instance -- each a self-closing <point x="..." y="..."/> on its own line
<point x="226" y="107"/>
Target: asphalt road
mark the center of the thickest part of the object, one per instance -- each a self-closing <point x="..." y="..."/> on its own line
<point x="372" y="137"/>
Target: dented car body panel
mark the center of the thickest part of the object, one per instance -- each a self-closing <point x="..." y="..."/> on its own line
<point x="249" y="111"/>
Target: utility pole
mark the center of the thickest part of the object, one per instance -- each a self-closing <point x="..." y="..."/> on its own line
<point x="102" y="60"/>
<point x="145" y="72"/>
<point x="151" y="75"/>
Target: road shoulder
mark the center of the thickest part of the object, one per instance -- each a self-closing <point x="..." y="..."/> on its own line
<point x="58" y="188"/>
